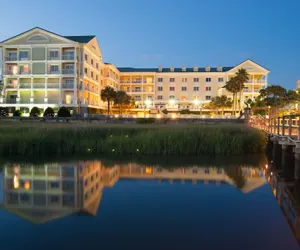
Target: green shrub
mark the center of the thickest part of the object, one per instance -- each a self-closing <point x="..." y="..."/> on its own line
<point x="185" y="111"/>
<point x="35" y="112"/>
<point x="63" y="112"/>
<point x="17" y="113"/>
<point x="3" y="111"/>
<point x="145" y="120"/>
<point x="164" y="111"/>
<point x="49" y="112"/>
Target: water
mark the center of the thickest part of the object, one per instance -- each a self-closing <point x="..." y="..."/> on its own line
<point x="109" y="204"/>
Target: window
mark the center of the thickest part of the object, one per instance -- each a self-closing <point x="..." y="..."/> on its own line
<point x="208" y="88"/>
<point x="183" y="97"/>
<point x="97" y="65"/>
<point x="183" y="88"/>
<point x="196" y="79"/>
<point x="159" y="97"/>
<point x="85" y="70"/>
<point x="92" y="61"/>
<point x="208" y="79"/>
<point x="172" y="79"/>
<point x="85" y="57"/>
<point x="160" y="79"/>
<point x="54" y="184"/>
<point x="137" y="98"/>
<point x="184" y="79"/>
<point x="160" y="88"/>
<point x="23" y="55"/>
<point x="207" y="98"/>
<point x="171" y="97"/>
<point x="54" y="199"/>
<point x="172" y="88"/>
<point x="53" y="54"/>
<point x="92" y="74"/>
<point x="196" y="88"/>
<point x="25" y="68"/>
<point x="220" y="79"/>
<point x="54" y="68"/>
<point x="96" y="77"/>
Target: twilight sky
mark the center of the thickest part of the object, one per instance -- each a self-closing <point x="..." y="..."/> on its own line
<point x="149" y="33"/>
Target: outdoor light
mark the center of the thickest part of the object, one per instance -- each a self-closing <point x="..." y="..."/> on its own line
<point x="158" y="116"/>
<point x="172" y="102"/>
<point x="173" y="116"/>
<point x="136" y="102"/>
<point x="266" y="166"/>
<point x="147" y="102"/>
<point x="116" y="116"/>
<point x="271" y="173"/>
<point x="31" y="99"/>
<point x="196" y="102"/>
<point x="46" y="99"/>
<point x="1" y="99"/>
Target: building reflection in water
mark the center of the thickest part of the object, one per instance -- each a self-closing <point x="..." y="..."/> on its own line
<point x="50" y="191"/>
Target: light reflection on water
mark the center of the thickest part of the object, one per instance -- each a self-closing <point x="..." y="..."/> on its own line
<point x="54" y="193"/>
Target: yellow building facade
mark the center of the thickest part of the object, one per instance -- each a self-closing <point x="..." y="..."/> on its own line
<point x="43" y="69"/>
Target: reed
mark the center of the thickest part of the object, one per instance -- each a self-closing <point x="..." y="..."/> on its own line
<point x="56" y="141"/>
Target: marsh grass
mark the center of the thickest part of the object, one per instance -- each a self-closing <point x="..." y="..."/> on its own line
<point x="169" y="140"/>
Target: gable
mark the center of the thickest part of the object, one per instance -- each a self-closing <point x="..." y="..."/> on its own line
<point x="37" y="36"/>
<point x="94" y="46"/>
<point x="251" y="67"/>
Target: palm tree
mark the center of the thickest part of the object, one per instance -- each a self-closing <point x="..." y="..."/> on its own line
<point x="108" y="94"/>
<point x="241" y="76"/>
<point x="221" y="102"/>
<point x="232" y="86"/>
<point x="122" y="98"/>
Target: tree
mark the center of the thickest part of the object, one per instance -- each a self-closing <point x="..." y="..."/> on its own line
<point x="232" y="86"/>
<point x="241" y="76"/>
<point x="63" y="112"/>
<point x="108" y="94"/>
<point x="49" y="112"/>
<point x="122" y="98"/>
<point x="17" y="113"/>
<point x="35" y="112"/>
<point x="221" y="102"/>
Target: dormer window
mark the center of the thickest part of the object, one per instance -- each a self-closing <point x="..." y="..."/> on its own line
<point x="172" y="69"/>
<point x="220" y="69"/>
<point x="183" y="68"/>
<point x="160" y="68"/>
<point x="38" y="38"/>
<point x="207" y="68"/>
<point x="196" y="69"/>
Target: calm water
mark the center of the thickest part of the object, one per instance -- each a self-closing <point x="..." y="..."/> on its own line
<point x="130" y="205"/>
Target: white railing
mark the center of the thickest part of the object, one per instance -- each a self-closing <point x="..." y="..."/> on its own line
<point x="38" y="85"/>
<point x="68" y="71"/>
<point x="68" y="57"/>
<point x="12" y="58"/>
<point x="25" y="85"/>
<point x="67" y="85"/>
<point x="25" y="73"/>
<point x="52" y="58"/>
<point x="53" y="72"/>
<point x="11" y="86"/>
<point x="51" y="85"/>
<point x="256" y="81"/>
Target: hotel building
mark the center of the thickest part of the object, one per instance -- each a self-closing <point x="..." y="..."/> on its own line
<point x="44" y="69"/>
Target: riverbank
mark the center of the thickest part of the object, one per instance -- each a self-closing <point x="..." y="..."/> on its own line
<point x="55" y="140"/>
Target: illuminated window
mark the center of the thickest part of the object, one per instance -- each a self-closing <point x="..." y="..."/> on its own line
<point x="183" y="97"/>
<point x="171" y="97"/>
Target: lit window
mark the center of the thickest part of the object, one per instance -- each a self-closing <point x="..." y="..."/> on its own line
<point x="171" y="97"/>
<point x="183" y="97"/>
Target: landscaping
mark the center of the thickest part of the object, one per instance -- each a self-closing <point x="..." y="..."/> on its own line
<point x="54" y="140"/>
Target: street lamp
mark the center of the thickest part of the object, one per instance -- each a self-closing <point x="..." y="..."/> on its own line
<point x="171" y="102"/>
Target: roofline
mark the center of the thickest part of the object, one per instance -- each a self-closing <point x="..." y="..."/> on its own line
<point x="251" y="61"/>
<point x="27" y="31"/>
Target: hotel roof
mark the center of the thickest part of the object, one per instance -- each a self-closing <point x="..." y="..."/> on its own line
<point x="80" y="39"/>
<point x="166" y="70"/>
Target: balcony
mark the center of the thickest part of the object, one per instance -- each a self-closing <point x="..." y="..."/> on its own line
<point x="11" y="101"/>
<point x="68" y="57"/>
<point x="68" y="71"/>
<point x="38" y="85"/>
<point x="11" y="86"/>
<point x="67" y="85"/>
<point x="51" y="85"/>
<point x="25" y="72"/>
<point x="251" y="91"/>
<point x="25" y="86"/>
<point x="24" y="58"/>
<point x="53" y="72"/>
<point x="53" y="58"/>
<point x="12" y="58"/>
<point x="257" y="81"/>
<point x="10" y="72"/>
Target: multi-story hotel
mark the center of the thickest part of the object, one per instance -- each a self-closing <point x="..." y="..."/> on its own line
<point x="44" y="69"/>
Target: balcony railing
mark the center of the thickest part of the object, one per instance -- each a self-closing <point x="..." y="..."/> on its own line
<point x="53" y="72"/>
<point x="25" y="86"/>
<point x="9" y="72"/>
<point x="256" y="81"/>
<point x="251" y="90"/>
<point x="12" y="101"/>
<point x="68" y="71"/>
<point x="66" y="85"/>
<point x="51" y="85"/>
<point x="12" y="58"/>
<point x="24" y="58"/>
<point x="38" y="85"/>
<point x="25" y="72"/>
<point x="68" y="57"/>
<point x="11" y="86"/>
<point x="53" y="58"/>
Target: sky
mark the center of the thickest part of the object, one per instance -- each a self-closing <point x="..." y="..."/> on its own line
<point x="152" y="33"/>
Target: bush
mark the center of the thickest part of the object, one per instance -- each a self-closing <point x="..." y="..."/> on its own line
<point x="63" y="112"/>
<point x="35" y="112"/>
<point x="17" y="113"/>
<point x="164" y="111"/>
<point x="49" y="112"/>
<point x="185" y="111"/>
<point x="145" y="120"/>
<point x="3" y="111"/>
